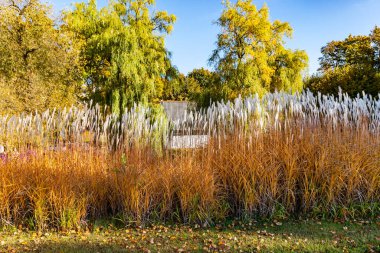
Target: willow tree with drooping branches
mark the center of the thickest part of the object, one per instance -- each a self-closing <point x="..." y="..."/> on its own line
<point x="122" y="50"/>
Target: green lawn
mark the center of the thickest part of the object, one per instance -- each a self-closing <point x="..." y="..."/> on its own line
<point x="302" y="236"/>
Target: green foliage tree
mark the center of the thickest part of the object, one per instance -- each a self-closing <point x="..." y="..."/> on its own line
<point x="351" y="64"/>
<point x="375" y="38"/>
<point x="200" y="85"/>
<point x="175" y="86"/>
<point x="122" y="50"/>
<point x="251" y="56"/>
<point x="204" y="86"/>
<point x="354" y="50"/>
<point x="38" y="64"/>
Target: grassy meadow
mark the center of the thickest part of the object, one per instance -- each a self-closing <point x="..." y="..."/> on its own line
<point x="234" y="236"/>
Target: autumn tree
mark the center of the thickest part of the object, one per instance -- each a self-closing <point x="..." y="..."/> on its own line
<point x="204" y="87"/>
<point x="175" y="86"/>
<point x="375" y="38"/>
<point x="122" y="50"/>
<point x="354" y="50"/>
<point x="251" y="56"/>
<point x="351" y="65"/>
<point x="38" y="65"/>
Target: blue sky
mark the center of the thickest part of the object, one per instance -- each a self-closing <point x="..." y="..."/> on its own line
<point x="315" y="22"/>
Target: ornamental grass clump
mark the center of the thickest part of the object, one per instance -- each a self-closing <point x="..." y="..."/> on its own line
<point x="278" y="156"/>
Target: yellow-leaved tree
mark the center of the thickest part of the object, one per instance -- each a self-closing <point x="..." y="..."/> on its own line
<point x="251" y="56"/>
<point x="39" y="67"/>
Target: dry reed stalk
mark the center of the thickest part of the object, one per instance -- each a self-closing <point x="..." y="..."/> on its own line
<point x="275" y="173"/>
<point x="278" y="156"/>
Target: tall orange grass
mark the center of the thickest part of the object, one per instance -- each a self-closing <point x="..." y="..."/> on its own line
<point x="276" y="174"/>
<point x="281" y="156"/>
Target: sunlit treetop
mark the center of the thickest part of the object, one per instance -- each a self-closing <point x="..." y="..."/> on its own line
<point x="123" y="50"/>
<point x="251" y="55"/>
